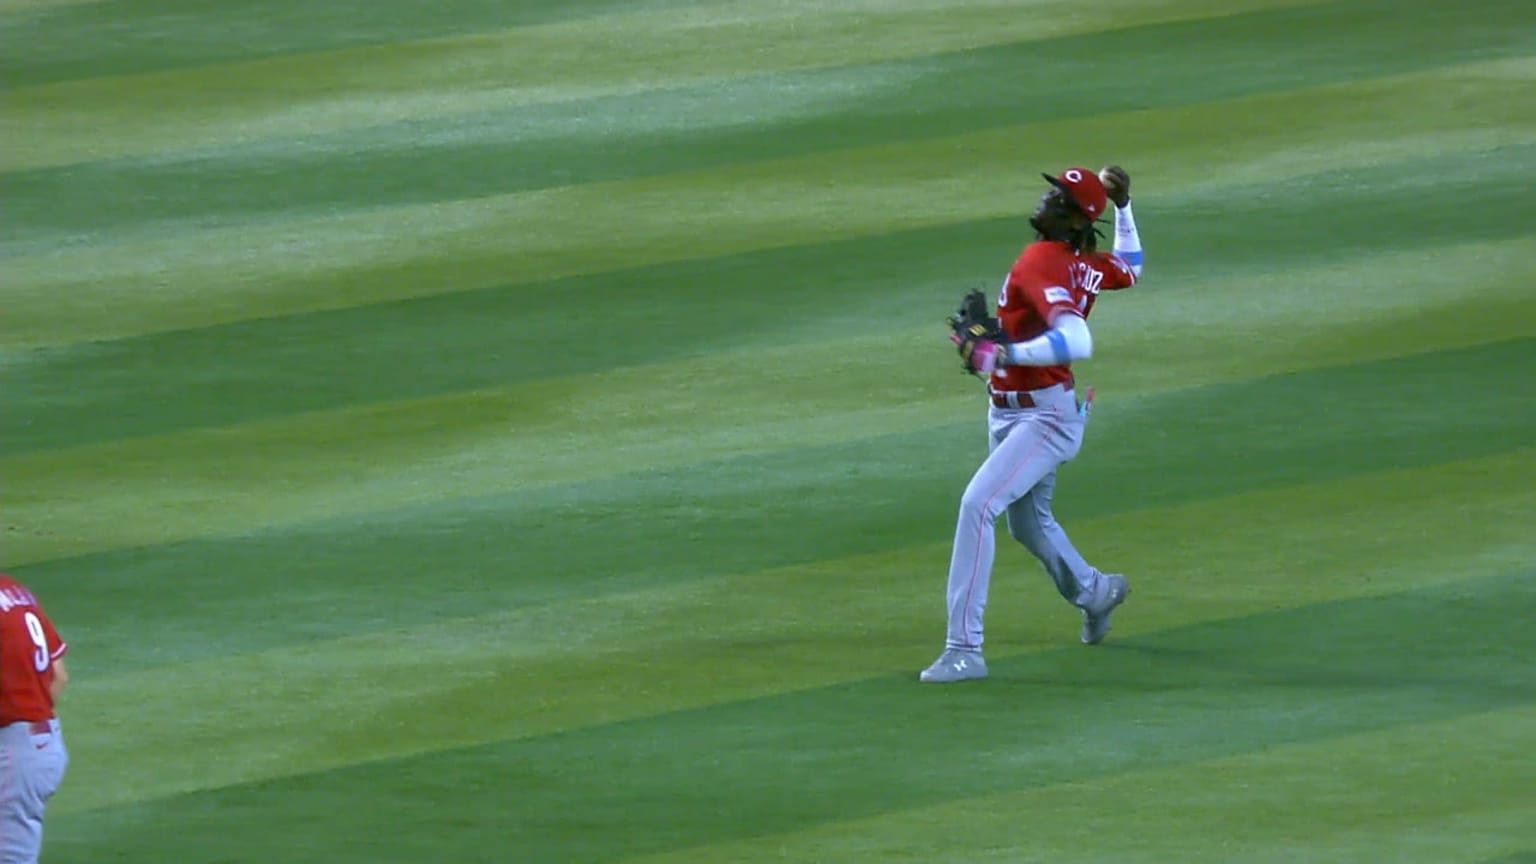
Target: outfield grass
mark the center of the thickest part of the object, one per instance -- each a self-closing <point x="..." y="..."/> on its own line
<point x="524" y="432"/>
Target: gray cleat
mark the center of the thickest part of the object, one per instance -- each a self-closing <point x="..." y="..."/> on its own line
<point x="1096" y="614"/>
<point x="955" y="665"/>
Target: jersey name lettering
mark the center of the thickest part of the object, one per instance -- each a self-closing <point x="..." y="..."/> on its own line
<point x="1087" y="277"/>
<point x="13" y="597"/>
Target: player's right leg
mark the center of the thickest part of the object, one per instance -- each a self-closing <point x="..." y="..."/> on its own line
<point x="1113" y="589"/>
<point x="1031" y="522"/>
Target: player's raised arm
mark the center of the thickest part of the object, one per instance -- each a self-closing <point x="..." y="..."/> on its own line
<point x="1117" y="185"/>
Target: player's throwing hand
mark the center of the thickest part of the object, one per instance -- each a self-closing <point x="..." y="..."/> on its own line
<point x="1117" y="184"/>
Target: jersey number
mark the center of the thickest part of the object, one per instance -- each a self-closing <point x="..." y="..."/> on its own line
<point x="35" y="630"/>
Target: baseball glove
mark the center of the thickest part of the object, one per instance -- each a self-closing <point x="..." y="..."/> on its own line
<point x="976" y="334"/>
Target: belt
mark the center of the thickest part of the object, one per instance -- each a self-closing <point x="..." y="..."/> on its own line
<point x="1017" y="398"/>
<point x="40" y="727"/>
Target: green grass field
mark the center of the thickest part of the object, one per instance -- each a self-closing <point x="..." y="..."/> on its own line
<point x="524" y="431"/>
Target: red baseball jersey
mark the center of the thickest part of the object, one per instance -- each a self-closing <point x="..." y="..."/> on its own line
<point x="28" y="647"/>
<point x="1049" y="279"/>
<point x="1110" y="273"/>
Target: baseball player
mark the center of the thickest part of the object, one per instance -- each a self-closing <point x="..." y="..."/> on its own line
<point x="32" y="755"/>
<point x="1035" y="420"/>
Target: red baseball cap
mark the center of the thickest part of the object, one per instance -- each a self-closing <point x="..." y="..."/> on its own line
<point x="1084" y="188"/>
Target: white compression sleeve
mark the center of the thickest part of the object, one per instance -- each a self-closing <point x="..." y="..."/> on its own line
<point x="1127" y="241"/>
<point x="1067" y="341"/>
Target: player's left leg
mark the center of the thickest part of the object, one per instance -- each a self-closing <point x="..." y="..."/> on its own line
<point x="1032" y="448"/>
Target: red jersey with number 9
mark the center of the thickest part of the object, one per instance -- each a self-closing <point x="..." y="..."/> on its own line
<point x="1049" y="279"/>
<point x="28" y="647"/>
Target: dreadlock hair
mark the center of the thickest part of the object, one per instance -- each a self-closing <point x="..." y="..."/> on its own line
<point x="1086" y="240"/>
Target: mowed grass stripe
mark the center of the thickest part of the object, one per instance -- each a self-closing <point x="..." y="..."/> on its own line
<point x="70" y="40"/>
<point x="500" y="69"/>
<point x="654" y="131"/>
<point x="710" y="775"/>
<point x="601" y="658"/>
<point x="1255" y="311"/>
<point x="192" y="277"/>
<point x="506" y="444"/>
<point x="123" y="202"/>
<point x="1399" y="794"/>
<point x="497" y="452"/>
<point x="25" y="7"/>
<point x="1228" y="319"/>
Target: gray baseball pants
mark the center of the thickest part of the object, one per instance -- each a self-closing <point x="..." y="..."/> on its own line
<point x="1018" y="477"/>
<point x="32" y="762"/>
